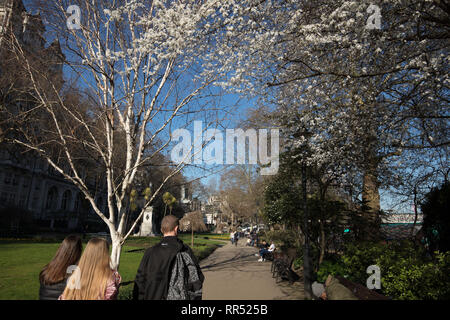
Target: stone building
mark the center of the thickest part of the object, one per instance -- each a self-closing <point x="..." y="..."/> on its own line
<point x="27" y="182"/>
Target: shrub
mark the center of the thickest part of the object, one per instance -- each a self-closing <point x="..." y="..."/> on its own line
<point x="436" y="220"/>
<point x="410" y="279"/>
<point x="406" y="272"/>
<point x="126" y="292"/>
<point x="357" y="257"/>
<point x="298" y="263"/>
<point x="282" y="238"/>
<point x="331" y="267"/>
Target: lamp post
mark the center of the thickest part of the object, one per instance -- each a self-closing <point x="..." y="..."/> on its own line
<point x="307" y="265"/>
<point x="306" y="252"/>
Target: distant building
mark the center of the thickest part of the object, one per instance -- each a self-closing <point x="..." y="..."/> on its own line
<point x="212" y="211"/>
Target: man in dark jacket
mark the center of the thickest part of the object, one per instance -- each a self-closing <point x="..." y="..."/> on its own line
<point x="169" y="270"/>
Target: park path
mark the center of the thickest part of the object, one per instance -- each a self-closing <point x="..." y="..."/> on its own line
<point x="234" y="273"/>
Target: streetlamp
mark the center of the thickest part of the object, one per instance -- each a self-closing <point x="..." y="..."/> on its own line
<point x="307" y="265"/>
<point x="306" y="247"/>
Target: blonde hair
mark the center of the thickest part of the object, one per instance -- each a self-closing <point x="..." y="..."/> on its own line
<point x="90" y="279"/>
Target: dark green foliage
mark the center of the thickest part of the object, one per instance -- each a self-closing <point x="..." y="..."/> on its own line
<point x="363" y="224"/>
<point x="282" y="199"/>
<point x="436" y="218"/>
<point x="328" y="267"/>
<point x="283" y="238"/>
<point x="409" y="278"/>
<point x="358" y="256"/>
<point x="298" y="263"/>
<point x="406" y="272"/>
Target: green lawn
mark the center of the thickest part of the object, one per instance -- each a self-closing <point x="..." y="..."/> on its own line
<point x="22" y="260"/>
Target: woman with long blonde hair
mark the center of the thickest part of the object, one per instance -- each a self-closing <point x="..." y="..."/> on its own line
<point x="93" y="279"/>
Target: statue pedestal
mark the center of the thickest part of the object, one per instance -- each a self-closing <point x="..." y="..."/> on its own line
<point x="146" y="229"/>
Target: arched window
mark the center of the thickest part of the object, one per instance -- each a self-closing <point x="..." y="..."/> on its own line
<point x="78" y="203"/>
<point x="52" y="197"/>
<point x="67" y="195"/>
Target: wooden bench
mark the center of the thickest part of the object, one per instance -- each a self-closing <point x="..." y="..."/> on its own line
<point x="282" y="266"/>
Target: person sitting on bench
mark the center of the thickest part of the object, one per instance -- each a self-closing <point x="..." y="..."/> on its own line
<point x="264" y="251"/>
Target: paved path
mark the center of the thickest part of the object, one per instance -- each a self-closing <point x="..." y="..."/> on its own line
<point x="234" y="273"/>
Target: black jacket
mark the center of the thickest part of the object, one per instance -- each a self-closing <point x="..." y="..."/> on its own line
<point x="153" y="276"/>
<point x="51" y="291"/>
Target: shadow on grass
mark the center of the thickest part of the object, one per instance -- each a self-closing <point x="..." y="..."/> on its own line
<point x="137" y="250"/>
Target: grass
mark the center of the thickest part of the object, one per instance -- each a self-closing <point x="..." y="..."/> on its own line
<point x="22" y="260"/>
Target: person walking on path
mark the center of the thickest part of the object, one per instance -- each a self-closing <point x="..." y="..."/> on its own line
<point x="93" y="279"/>
<point x="232" y="237"/>
<point x="236" y="238"/>
<point x="169" y="270"/>
<point x="53" y="276"/>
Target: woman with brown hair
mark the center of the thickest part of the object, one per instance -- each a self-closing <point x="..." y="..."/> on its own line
<point x="54" y="275"/>
<point x="93" y="279"/>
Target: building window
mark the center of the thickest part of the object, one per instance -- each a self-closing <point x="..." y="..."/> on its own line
<point x="4" y="155"/>
<point x="35" y="202"/>
<point x="67" y="195"/>
<point x="8" y="177"/>
<point x="15" y="180"/>
<point x="52" y="197"/>
<point x="12" y="198"/>
<point x="78" y="203"/>
<point x="23" y="201"/>
<point x="25" y="183"/>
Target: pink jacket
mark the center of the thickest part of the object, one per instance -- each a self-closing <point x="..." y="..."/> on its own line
<point x="112" y="288"/>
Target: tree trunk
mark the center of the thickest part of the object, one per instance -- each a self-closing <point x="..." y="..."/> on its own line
<point x="371" y="194"/>
<point x="322" y="243"/>
<point x="232" y="219"/>
<point x="115" y="253"/>
<point x="415" y="212"/>
<point x="192" y="238"/>
<point x="371" y="199"/>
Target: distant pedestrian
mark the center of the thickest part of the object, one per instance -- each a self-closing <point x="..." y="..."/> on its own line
<point x="169" y="270"/>
<point x="232" y="237"/>
<point x="93" y="279"/>
<point x="54" y="275"/>
<point x="236" y="238"/>
<point x="254" y="239"/>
